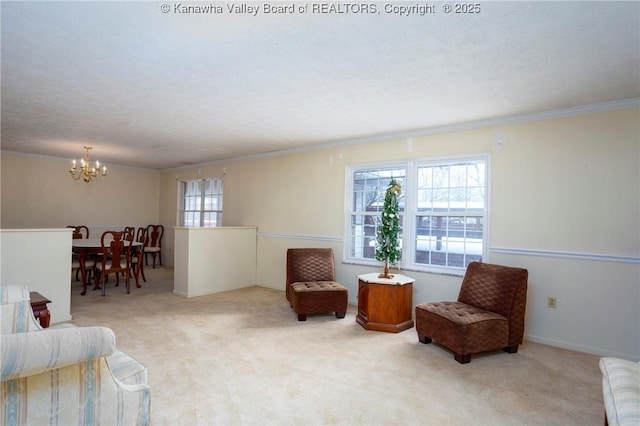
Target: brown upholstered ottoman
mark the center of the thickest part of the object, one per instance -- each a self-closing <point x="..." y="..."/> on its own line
<point x="317" y="297"/>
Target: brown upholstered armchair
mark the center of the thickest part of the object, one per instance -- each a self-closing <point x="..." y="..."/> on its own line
<point x="311" y="287"/>
<point x="488" y="315"/>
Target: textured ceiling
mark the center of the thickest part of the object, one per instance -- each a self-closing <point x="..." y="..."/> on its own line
<point x="161" y="90"/>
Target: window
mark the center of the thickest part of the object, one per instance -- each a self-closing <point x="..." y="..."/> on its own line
<point x="443" y="211"/>
<point x="200" y="203"/>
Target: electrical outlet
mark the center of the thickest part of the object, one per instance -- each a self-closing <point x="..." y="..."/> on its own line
<point x="551" y="302"/>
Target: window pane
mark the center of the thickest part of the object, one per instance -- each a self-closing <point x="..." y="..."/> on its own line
<point x="193" y="188"/>
<point x="458" y="176"/>
<point x="191" y="219"/>
<point x="193" y="203"/>
<point x="201" y="203"/>
<point x="369" y="187"/>
<point x="453" y="235"/>
<point x="363" y="232"/>
<point x="210" y="219"/>
<point x="440" y="177"/>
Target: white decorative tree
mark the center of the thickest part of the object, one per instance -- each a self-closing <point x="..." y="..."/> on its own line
<point x="388" y="234"/>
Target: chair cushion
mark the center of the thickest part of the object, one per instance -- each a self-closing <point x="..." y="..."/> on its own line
<point x="460" y="313"/>
<point x="462" y="328"/>
<point x="75" y="264"/>
<point x="314" y="286"/>
<point x="316" y="297"/>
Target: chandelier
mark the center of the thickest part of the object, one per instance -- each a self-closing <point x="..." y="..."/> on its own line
<point x="87" y="172"/>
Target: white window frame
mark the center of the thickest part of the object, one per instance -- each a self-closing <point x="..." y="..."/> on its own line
<point x="411" y="211"/>
<point x="200" y="208"/>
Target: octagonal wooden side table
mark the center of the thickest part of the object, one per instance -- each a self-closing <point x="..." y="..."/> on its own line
<point x="385" y="304"/>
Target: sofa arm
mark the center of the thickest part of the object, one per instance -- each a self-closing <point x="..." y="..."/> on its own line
<point x="26" y="354"/>
<point x="126" y="369"/>
<point x="621" y="391"/>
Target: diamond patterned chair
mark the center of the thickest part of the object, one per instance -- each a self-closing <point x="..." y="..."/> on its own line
<point x="488" y="315"/>
<point x="311" y="286"/>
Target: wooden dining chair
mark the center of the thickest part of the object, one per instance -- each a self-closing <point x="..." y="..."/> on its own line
<point x="115" y="258"/>
<point x="154" y="246"/>
<point x="139" y="231"/>
<point x="129" y="233"/>
<point x="137" y="256"/>
<point x="80" y="232"/>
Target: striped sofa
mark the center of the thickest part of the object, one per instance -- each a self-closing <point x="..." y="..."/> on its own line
<point x="65" y="375"/>
<point x="621" y="391"/>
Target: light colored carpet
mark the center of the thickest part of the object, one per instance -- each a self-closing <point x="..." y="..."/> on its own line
<point x="242" y="358"/>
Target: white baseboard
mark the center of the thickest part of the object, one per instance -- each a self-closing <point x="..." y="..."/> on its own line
<point x="578" y="348"/>
<point x="180" y="293"/>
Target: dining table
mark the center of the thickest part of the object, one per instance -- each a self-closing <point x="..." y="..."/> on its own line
<point x="86" y="247"/>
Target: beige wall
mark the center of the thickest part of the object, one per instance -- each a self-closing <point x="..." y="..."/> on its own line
<point x="564" y="203"/>
<point x="212" y="260"/>
<point x="49" y="275"/>
<point x="37" y="192"/>
<point x="569" y="184"/>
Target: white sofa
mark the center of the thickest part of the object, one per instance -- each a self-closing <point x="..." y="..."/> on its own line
<point x="65" y="375"/>
<point x="621" y="391"/>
